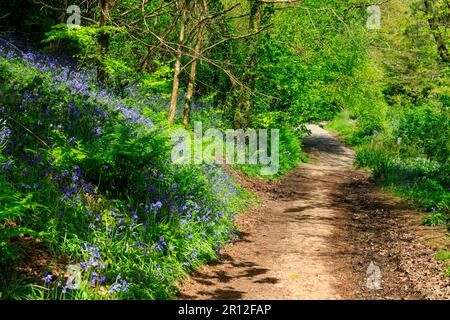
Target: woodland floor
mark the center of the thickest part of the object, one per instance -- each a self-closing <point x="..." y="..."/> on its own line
<point x="316" y="233"/>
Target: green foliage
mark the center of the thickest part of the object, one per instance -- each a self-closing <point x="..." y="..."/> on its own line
<point x="444" y="256"/>
<point x="425" y="181"/>
<point x="13" y="205"/>
<point x="306" y="61"/>
<point x="159" y="80"/>
<point x="399" y="121"/>
<point x="84" y="171"/>
<point x="290" y="154"/>
<point x="81" y="43"/>
<point x="95" y="183"/>
<point x="426" y="129"/>
<point x="438" y="216"/>
<point x="344" y="127"/>
<point x="369" y="122"/>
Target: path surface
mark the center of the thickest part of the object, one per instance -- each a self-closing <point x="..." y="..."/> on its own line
<point x="314" y="238"/>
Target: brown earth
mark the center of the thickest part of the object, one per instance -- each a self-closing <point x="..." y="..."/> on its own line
<point x="317" y="232"/>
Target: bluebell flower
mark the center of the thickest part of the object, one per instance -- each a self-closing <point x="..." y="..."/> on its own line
<point x="48" y="278"/>
<point x="139" y="244"/>
<point x="97" y="131"/>
<point x="4" y="134"/>
<point x="7" y="165"/>
<point x="157" y="204"/>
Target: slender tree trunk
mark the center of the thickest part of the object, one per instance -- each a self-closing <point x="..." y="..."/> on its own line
<point x="253" y="25"/>
<point x="243" y="109"/>
<point x="144" y="61"/>
<point x="193" y="71"/>
<point x="191" y="85"/>
<point x="434" y="26"/>
<point x="103" y="41"/>
<point x="54" y="45"/>
<point x="177" y="67"/>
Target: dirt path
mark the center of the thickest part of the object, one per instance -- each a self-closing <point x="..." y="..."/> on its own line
<point x="315" y="236"/>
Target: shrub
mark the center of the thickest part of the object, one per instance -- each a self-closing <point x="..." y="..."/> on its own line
<point x="425" y="181"/>
<point x="426" y="129"/>
<point x="369" y="122"/>
<point x="289" y="145"/>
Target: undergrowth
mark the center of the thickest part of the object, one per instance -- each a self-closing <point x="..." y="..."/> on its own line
<point x="86" y="177"/>
<point x="405" y="160"/>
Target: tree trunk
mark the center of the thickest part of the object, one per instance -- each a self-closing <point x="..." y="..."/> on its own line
<point x="243" y="109"/>
<point x="253" y="25"/>
<point x="103" y="41"/>
<point x="434" y="26"/>
<point x="191" y="85"/>
<point x="177" y="67"/>
<point x="193" y="72"/>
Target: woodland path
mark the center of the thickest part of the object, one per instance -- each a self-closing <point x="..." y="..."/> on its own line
<point x="317" y="232"/>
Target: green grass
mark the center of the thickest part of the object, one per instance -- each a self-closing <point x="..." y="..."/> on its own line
<point x="445" y="257"/>
<point x="342" y="126"/>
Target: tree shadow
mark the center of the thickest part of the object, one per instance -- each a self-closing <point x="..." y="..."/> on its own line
<point x="223" y="294"/>
<point x="268" y="280"/>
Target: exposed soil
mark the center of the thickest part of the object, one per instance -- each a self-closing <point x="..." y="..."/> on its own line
<point x="34" y="258"/>
<point x="317" y="232"/>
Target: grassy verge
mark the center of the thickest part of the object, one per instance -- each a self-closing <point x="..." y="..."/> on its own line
<point x="419" y="179"/>
<point x="445" y="257"/>
<point x="423" y="180"/>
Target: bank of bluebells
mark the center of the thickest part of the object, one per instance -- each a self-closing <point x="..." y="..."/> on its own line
<point x="97" y="166"/>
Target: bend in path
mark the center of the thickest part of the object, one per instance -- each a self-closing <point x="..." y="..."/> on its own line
<point x="314" y="239"/>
